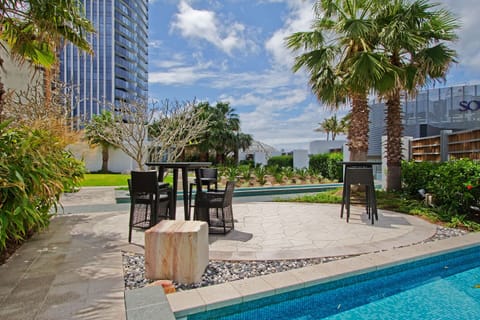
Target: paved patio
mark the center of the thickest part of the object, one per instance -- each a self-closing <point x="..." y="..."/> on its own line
<point x="74" y="270"/>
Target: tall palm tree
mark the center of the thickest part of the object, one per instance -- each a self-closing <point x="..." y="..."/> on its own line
<point x="342" y="65"/>
<point x="333" y="126"/>
<point x="33" y="30"/>
<point x="243" y="141"/>
<point x="221" y="135"/>
<point x="413" y="36"/>
<point x="103" y="120"/>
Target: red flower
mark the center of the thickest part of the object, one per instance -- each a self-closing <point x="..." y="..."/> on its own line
<point x="469" y="187"/>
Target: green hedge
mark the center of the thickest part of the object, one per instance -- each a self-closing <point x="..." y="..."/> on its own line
<point x="327" y="165"/>
<point x="281" y="161"/>
<point x="34" y="170"/>
<point x="455" y="185"/>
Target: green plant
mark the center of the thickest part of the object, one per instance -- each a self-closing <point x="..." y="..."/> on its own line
<point x="281" y="161"/>
<point x="288" y="172"/>
<point x="417" y="176"/>
<point x="327" y="165"/>
<point x="273" y="169"/>
<point x="231" y="173"/>
<point x="279" y="176"/>
<point x="302" y="173"/>
<point x="245" y="172"/>
<point x="34" y="170"/>
<point x="250" y="163"/>
<point x="450" y="185"/>
<point x="260" y="173"/>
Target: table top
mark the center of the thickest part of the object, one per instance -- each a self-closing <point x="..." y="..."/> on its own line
<point x="360" y="163"/>
<point x="189" y="165"/>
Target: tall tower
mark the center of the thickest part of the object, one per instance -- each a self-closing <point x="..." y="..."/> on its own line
<point x="118" y="70"/>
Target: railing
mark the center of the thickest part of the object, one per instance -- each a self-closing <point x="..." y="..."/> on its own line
<point x="447" y="146"/>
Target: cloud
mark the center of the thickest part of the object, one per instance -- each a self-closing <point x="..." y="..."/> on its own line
<point x="299" y="19"/>
<point x="204" y="25"/>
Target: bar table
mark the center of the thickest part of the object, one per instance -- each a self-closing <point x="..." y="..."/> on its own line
<point x="185" y="167"/>
<point x="360" y="172"/>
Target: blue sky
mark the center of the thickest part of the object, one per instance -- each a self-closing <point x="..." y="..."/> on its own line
<point x="233" y="51"/>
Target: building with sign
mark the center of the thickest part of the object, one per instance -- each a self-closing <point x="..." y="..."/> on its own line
<point x="431" y="111"/>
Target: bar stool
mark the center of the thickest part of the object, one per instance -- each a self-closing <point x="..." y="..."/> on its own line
<point x="208" y="177"/>
<point x="360" y="176"/>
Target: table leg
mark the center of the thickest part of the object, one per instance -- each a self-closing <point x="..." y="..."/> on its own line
<point x="185" y="194"/>
<point x="174" y="195"/>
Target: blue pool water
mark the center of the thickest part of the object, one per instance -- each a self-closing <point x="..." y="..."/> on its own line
<point x="440" y="287"/>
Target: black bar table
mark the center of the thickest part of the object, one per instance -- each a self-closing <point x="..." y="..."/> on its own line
<point x="185" y="167"/>
<point x="359" y="164"/>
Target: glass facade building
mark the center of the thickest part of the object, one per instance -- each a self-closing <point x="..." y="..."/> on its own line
<point x="118" y="69"/>
<point x="452" y="108"/>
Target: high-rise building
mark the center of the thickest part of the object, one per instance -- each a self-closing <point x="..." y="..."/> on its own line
<point x="118" y="69"/>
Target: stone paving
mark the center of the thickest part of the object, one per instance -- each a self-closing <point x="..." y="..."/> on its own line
<point x="74" y="269"/>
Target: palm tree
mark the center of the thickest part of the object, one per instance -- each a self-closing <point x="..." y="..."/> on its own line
<point x="103" y="120"/>
<point x="33" y="29"/>
<point x="243" y="141"/>
<point x="342" y="65"/>
<point x="413" y="38"/>
<point x="333" y="126"/>
<point x="221" y="135"/>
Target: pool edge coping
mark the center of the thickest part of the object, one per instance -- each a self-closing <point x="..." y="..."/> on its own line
<point x="192" y="301"/>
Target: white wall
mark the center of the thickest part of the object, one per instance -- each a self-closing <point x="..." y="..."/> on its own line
<point x="323" y="146"/>
<point x="300" y="159"/>
<point x="118" y="161"/>
<point x="260" y="158"/>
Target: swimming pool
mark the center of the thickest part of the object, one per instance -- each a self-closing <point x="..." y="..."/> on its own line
<point x="439" y="287"/>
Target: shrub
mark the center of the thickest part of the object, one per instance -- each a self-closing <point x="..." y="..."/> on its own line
<point x="34" y="171"/>
<point x="249" y="163"/>
<point x="281" y="161"/>
<point x="450" y="185"/>
<point x="327" y="165"/>
<point x="417" y="175"/>
<point x="455" y="185"/>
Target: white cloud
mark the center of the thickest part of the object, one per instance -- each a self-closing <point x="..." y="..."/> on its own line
<point x="300" y="19"/>
<point x="204" y="25"/>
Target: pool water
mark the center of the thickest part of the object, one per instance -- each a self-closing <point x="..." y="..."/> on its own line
<point x="441" y="287"/>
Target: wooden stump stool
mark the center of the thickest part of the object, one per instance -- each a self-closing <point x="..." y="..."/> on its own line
<point x="176" y="250"/>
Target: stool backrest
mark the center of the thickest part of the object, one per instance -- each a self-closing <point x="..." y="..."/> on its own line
<point x="209" y="173"/>
<point x="144" y="181"/>
<point x="227" y="198"/>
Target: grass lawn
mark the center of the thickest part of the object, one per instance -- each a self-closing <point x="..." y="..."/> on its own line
<point x="109" y="180"/>
<point x="104" y="180"/>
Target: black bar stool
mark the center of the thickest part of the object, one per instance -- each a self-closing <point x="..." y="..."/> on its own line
<point x="207" y="177"/>
<point x="360" y="176"/>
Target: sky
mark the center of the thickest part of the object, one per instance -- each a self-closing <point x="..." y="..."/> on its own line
<point x="234" y="51"/>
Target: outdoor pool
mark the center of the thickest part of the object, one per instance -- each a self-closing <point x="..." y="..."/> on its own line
<point x="440" y="287"/>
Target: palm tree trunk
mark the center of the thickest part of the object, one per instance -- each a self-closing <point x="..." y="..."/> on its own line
<point x="2" y="92"/>
<point x="358" y="129"/>
<point x="105" y="156"/>
<point x="394" y="142"/>
<point x="2" y="100"/>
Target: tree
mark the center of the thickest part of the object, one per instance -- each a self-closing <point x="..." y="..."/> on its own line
<point x="333" y="126"/>
<point x="102" y="120"/>
<point x="143" y="131"/>
<point x="243" y="141"/>
<point x="27" y="108"/>
<point x="222" y="135"/>
<point x="341" y="62"/>
<point x="413" y="38"/>
<point x="32" y="30"/>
